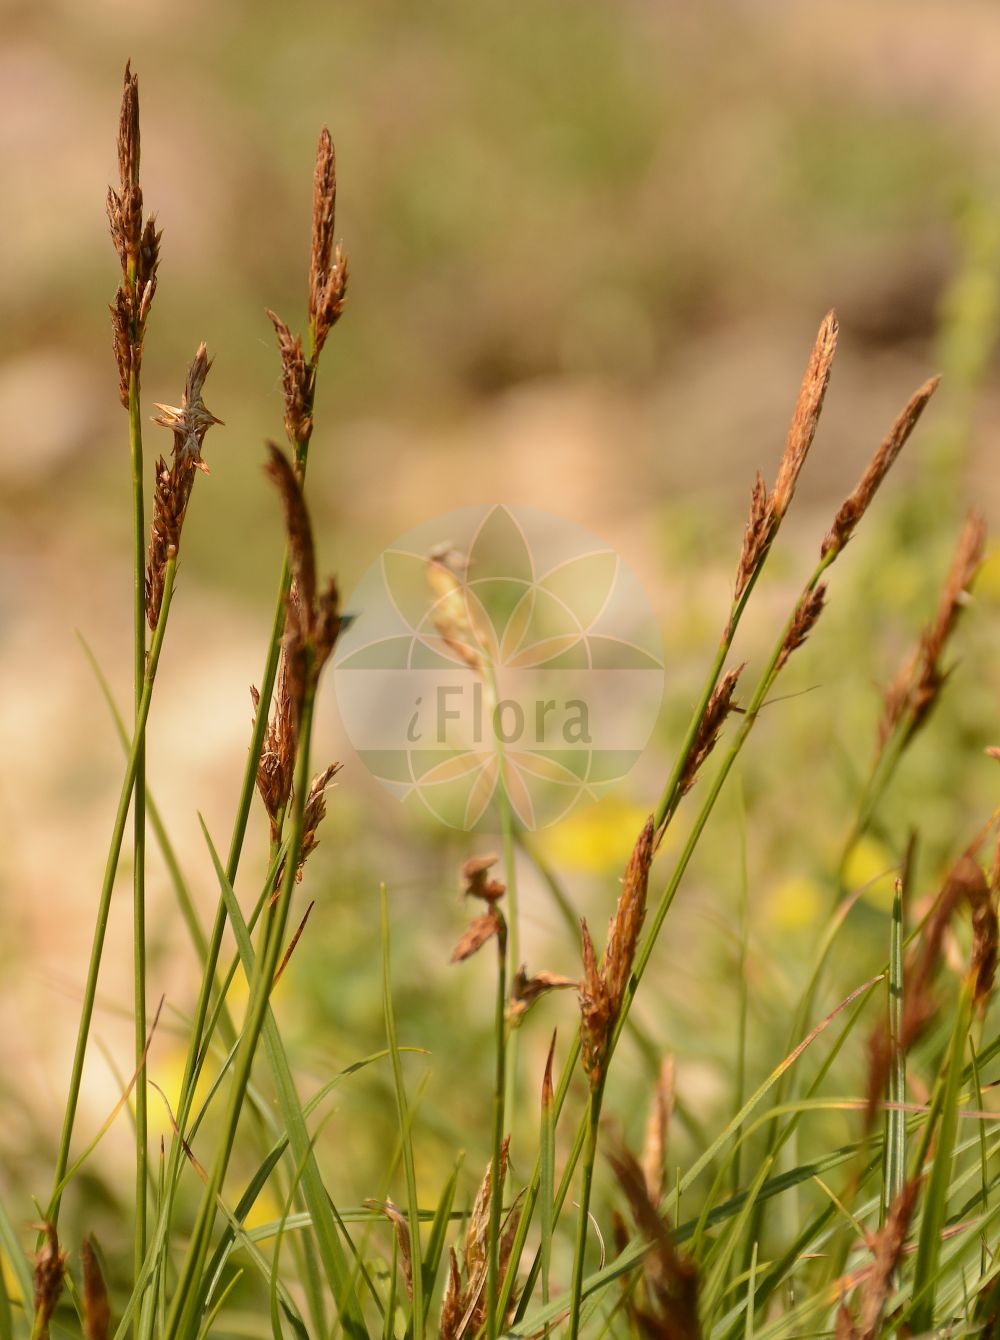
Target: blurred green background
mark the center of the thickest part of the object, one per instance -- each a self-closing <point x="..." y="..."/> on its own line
<point x="590" y="245"/>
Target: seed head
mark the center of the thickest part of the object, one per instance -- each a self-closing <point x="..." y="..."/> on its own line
<point x="806" y="416"/>
<point x="720" y="704"/>
<point x="855" y="506"/>
<point x="50" y="1267"/>
<point x="808" y="610"/>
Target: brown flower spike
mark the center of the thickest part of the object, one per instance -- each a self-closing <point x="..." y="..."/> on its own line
<point x="327" y="291"/>
<point x="767" y="509"/>
<point x="189" y="424"/>
<point x="137" y="245"/>
<point x="602" y="990"/>
<point x="912" y="696"/>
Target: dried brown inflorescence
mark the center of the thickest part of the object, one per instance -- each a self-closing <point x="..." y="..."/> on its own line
<point x="463" y="1313"/>
<point x="602" y="990"/>
<point x="525" y="991"/>
<point x="136" y="242"/>
<point x="402" y="1229"/>
<point x="453" y="618"/>
<point x="96" y="1309"/>
<point x="767" y="509"/>
<point x="50" y="1268"/>
<point x="189" y="423"/>
<point x="911" y="697"/>
<point x="720" y="704"/>
<point x="966" y="884"/>
<point x="312" y="626"/>
<point x="887" y="1247"/>
<point x="327" y="290"/>
<point x="854" y="507"/>
<point x="666" y="1307"/>
<point x="478" y="883"/>
<point x="807" y="611"/>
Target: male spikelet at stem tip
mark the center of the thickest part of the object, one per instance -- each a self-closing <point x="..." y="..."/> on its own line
<point x="327" y="291"/>
<point x="137" y="244"/>
<point x="602" y="990"/>
<point x="767" y="509"/>
<point x="189" y="423"/>
<point x="312" y="626"/>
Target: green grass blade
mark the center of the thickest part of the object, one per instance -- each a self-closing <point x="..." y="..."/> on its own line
<point x="894" y="1147"/>
<point x="926" y="1267"/>
<point x="313" y="1190"/>
<point x="404" y="1123"/>
<point x="14" y="1253"/>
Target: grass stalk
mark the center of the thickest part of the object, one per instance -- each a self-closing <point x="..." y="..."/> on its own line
<point x="493" y="1322"/>
<point x="104" y="902"/>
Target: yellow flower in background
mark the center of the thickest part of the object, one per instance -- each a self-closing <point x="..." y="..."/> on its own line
<point x="872" y="868"/>
<point x="795" y="904"/>
<point x="596" y="839"/>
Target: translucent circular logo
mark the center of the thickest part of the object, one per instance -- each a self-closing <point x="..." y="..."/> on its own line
<point x="499" y="653"/>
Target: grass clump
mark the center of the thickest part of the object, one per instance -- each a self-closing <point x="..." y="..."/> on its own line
<point x="890" y="1232"/>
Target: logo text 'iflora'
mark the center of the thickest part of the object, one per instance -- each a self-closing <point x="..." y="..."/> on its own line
<point x="465" y="709"/>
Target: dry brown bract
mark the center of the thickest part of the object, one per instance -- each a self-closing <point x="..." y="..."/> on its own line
<point x="766" y="510"/>
<point x="911" y="697"/>
<point x="137" y="244"/>
<point x="667" y="1308"/>
<point x="50" y="1267"/>
<point x="398" y="1220"/>
<point x="96" y="1309"/>
<point x="477" y="883"/>
<point x="603" y="987"/>
<point x="463" y="1313"/>
<point x="887" y="1248"/>
<point x="525" y="991"/>
<point x="172" y="491"/>
<point x="855" y="506"/>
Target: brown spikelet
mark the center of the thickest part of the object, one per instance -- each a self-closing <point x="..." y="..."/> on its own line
<point x="808" y="610"/>
<point x="757" y="536"/>
<point x="670" y="1279"/>
<point x="720" y="704"/>
<point x="296" y="385"/>
<point x="603" y="987"/>
<point x="327" y="263"/>
<point x="328" y="621"/>
<point x="478" y="883"/>
<point x="626" y="924"/>
<point x="121" y="327"/>
<point x="855" y="506"/>
<point x="526" y="990"/>
<point x="595" y="1012"/>
<point x="172" y="489"/>
<point x="806" y="415"/>
<point x="399" y="1222"/>
<point x="453" y="619"/>
<point x="657" y="1127"/>
<point x="454" y="1300"/>
<point x="96" y="1309"/>
<point x="50" y="1267"/>
<point x="315" y="812"/>
<point x="911" y="697"/>
<point x="887" y="1248"/>
<point x="300" y="540"/>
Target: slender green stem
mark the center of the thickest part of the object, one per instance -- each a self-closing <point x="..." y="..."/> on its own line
<point x="413" y="1205"/>
<point x="104" y="904"/>
<point x="139" y="822"/>
<point x="583" y="1222"/>
<point x="184" y="1312"/>
<point x="496" y="1179"/>
<point x="496" y="1183"/>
